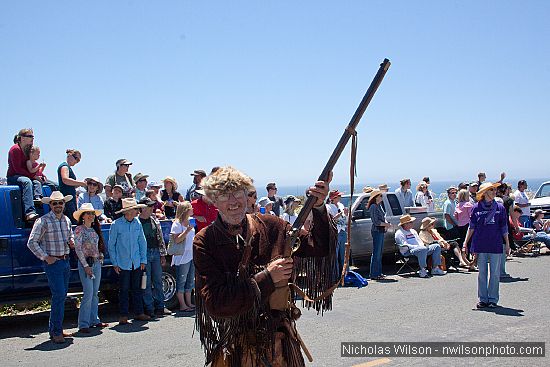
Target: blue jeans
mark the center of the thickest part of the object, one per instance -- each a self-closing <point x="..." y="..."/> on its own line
<point x="422" y="253"/>
<point x="87" y="314"/>
<point x="376" y="258"/>
<point x="70" y="208"/>
<point x="58" y="280"/>
<point x="341" y="250"/>
<point x="130" y="280"/>
<point x="153" y="295"/>
<point x="185" y="282"/>
<point x="540" y="237"/>
<point x="503" y="257"/>
<point x="488" y="292"/>
<point x="29" y="190"/>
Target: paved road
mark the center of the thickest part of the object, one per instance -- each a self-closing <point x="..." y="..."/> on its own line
<point x="402" y="309"/>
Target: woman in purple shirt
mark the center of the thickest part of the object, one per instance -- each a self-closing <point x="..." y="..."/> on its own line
<point x="488" y="230"/>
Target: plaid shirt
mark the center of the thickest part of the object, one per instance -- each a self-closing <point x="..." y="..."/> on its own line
<point x="50" y="236"/>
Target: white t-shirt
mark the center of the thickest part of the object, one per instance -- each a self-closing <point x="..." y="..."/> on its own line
<point x="187" y="256"/>
<point x="333" y="210"/>
<point x="289" y="218"/>
<point x="521" y="198"/>
<point x="409" y="238"/>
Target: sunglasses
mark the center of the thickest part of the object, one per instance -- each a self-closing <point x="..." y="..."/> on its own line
<point x="125" y="165"/>
<point x="90" y="183"/>
<point x="225" y="197"/>
<point x="28" y="136"/>
<point x="76" y="157"/>
<point x="251" y="194"/>
<point x="56" y="203"/>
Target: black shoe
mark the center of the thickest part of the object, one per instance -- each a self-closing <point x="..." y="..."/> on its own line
<point x="492" y="305"/>
<point x="481" y="305"/>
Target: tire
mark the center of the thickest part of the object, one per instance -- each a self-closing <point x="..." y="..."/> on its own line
<point x="169" y="287"/>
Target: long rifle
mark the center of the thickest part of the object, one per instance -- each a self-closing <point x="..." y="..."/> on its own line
<point x="348" y="132"/>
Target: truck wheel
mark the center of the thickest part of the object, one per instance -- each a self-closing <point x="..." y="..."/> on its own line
<point x="169" y="287"/>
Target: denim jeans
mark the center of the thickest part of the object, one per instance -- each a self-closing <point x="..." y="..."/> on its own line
<point x="422" y="252"/>
<point x="341" y="250"/>
<point x="29" y="190"/>
<point x="87" y="314"/>
<point x="130" y="280"/>
<point x="153" y="295"/>
<point x="70" y="208"/>
<point x="539" y="237"/>
<point x="376" y="258"/>
<point x="503" y="257"/>
<point x="58" y="280"/>
<point x="488" y="292"/>
<point x="185" y="281"/>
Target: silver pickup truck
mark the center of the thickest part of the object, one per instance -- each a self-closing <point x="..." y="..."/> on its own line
<point x="361" y="238"/>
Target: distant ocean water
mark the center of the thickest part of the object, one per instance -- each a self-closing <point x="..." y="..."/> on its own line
<point x="437" y="187"/>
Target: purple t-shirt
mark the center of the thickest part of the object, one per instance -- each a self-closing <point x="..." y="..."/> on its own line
<point x="488" y="237"/>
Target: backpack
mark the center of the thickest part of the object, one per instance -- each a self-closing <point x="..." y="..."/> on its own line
<point x="354" y="279"/>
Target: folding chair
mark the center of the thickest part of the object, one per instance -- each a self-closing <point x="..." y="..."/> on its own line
<point x="408" y="260"/>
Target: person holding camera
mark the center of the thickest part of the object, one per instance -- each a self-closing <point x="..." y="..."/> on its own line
<point x="50" y="240"/>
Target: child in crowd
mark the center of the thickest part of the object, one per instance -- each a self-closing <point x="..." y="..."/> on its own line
<point x="33" y="153"/>
<point x="114" y="204"/>
<point x="184" y="231"/>
<point x="158" y="208"/>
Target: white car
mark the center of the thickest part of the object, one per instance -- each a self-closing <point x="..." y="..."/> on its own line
<point x="541" y="200"/>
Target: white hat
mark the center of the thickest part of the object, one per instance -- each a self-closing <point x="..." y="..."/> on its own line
<point x="57" y="196"/>
<point x="264" y="201"/>
<point x="84" y="208"/>
<point x="129" y="204"/>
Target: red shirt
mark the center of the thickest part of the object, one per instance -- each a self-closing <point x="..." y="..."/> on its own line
<point x="201" y="209"/>
<point x="17" y="162"/>
<point x="517" y="235"/>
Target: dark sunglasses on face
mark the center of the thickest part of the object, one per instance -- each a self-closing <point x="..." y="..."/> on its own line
<point x="56" y="203"/>
<point x="28" y="136"/>
<point x="251" y="194"/>
<point x="76" y="157"/>
<point x="92" y="183"/>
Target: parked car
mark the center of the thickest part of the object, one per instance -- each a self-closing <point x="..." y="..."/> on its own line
<point x="541" y="200"/>
<point x="22" y="276"/>
<point x="361" y="238"/>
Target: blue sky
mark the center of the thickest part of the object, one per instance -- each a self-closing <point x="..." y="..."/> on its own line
<point x="268" y="87"/>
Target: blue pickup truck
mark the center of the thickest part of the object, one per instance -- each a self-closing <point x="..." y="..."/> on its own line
<point x="22" y="276"/>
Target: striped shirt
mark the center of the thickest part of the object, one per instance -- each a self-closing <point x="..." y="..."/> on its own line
<point x="50" y="236"/>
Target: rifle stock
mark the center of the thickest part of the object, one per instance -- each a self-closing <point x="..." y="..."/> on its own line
<point x="348" y="132"/>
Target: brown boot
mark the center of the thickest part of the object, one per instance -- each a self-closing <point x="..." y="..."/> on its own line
<point x="142" y="317"/>
<point x="123" y="320"/>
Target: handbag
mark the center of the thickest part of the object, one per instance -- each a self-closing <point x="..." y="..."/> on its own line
<point x="175" y="248"/>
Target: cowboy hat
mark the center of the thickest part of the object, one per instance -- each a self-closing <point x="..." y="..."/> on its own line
<point x="373" y="194"/>
<point x="383" y="187"/>
<point x="172" y="180"/>
<point x="57" y="196"/>
<point x="85" y="208"/>
<point x="96" y="180"/>
<point x="140" y="176"/>
<point x="406" y="219"/>
<point x="484" y="187"/>
<point x="426" y="222"/>
<point x="129" y="204"/>
<point x="367" y="189"/>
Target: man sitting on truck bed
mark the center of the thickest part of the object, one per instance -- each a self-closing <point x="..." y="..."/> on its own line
<point x="410" y="244"/>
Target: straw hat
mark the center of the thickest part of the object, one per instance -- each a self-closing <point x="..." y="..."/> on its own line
<point x="484" y="187"/>
<point x="367" y="189"/>
<point x="383" y="187"/>
<point x="140" y="176"/>
<point x="172" y="180"/>
<point x="57" y="196"/>
<point x="374" y="193"/>
<point x="426" y="222"/>
<point x="406" y="219"/>
<point x="84" y="208"/>
<point x="129" y="204"/>
<point x="96" y="180"/>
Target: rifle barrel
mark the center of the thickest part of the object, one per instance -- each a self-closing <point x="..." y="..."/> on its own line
<point x="308" y="206"/>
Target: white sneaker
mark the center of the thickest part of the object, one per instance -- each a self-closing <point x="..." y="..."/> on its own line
<point x="423" y="273"/>
<point x="438" y="271"/>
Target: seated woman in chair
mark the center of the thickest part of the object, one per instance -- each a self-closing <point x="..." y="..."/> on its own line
<point x="520" y="233"/>
<point x="539" y="223"/>
<point x="428" y="234"/>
